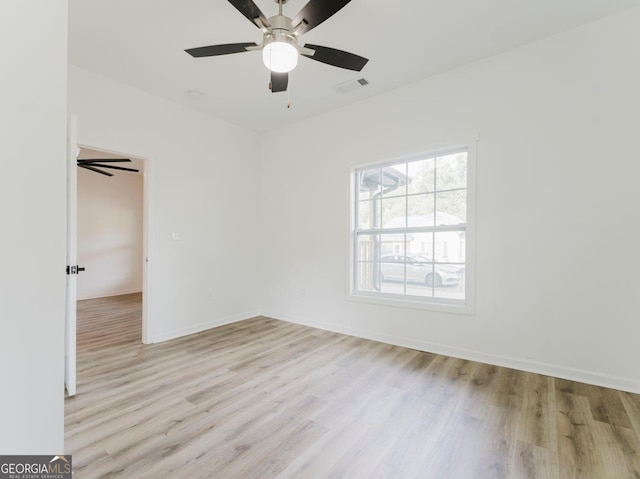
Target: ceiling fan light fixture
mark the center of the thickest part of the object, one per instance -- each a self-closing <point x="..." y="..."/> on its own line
<point x="280" y="55"/>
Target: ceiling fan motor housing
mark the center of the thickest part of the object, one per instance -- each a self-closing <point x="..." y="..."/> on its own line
<point x="280" y="24"/>
<point x="281" y="30"/>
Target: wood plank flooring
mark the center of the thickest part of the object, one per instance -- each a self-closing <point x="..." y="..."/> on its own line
<point x="268" y="399"/>
<point x="112" y="320"/>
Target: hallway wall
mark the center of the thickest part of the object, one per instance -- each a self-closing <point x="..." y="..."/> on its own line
<point x="110" y="233"/>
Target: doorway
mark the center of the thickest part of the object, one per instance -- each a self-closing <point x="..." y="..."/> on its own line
<point x="112" y="244"/>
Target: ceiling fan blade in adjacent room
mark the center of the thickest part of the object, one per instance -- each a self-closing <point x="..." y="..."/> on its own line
<point x="95" y="169"/>
<point x="104" y="160"/>
<point x="251" y="11"/>
<point x="337" y="58"/>
<point x="215" y="50"/>
<point x="112" y="167"/>
<point x="279" y="82"/>
<point x="314" y="13"/>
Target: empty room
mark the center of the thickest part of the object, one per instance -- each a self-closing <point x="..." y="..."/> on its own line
<point x="372" y="239"/>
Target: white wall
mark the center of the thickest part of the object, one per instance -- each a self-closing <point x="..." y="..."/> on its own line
<point x="557" y="233"/>
<point x="33" y="210"/>
<point x="203" y="185"/>
<point x="110" y="217"/>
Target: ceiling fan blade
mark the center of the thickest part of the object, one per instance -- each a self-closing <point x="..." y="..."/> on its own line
<point x="279" y="82"/>
<point x="112" y="167"/>
<point x="215" y="50"/>
<point x="104" y="160"/>
<point x="337" y="58"/>
<point x="95" y="169"/>
<point x="251" y="11"/>
<point x="314" y="13"/>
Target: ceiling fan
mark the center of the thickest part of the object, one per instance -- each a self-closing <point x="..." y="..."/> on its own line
<point x="280" y="48"/>
<point x="90" y="164"/>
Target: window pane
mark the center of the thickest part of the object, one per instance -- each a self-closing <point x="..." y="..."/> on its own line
<point x="421" y="175"/>
<point x="392" y="269"/>
<point x="367" y="276"/>
<point x="392" y="244"/>
<point x="450" y="246"/>
<point x="420" y="244"/>
<point x="369" y="183"/>
<point x="446" y="275"/>
<point x="377" y="247"/>
<point x="394" y="180"/>
<point x="452" y="207"/>
<point x="368" y="214"/>
<point x="419" y="277"/>
<point x="394" y="212"/>
<point x="421" y="210"/>
<point x="368" y="247"/>
<point x="419" y="270"/>
<point x="419" y="290"/>
<point x="364" y="215"/>
<point x="450" y="281"/>
<point x="451" y="171"/>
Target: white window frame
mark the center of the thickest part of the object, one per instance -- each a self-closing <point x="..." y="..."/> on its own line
<point x="466" y="306"/>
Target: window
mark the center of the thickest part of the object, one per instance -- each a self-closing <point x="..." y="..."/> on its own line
<point x="411" y="232"/>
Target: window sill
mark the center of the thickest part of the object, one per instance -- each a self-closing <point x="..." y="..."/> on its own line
<point x="412" y="302"/>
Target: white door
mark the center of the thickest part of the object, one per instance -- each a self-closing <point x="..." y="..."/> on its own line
<point x="72" y="257"/>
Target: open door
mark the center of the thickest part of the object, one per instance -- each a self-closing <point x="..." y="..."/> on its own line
<point x="72" y="253"/>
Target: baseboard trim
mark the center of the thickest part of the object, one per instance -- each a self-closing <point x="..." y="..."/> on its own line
<point x="197" y="328"/>
<point x="110" y="294"/>
<point x="547" y="369"/>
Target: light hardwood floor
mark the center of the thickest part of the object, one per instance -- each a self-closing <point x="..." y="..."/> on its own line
<point x="109" y="321"/>
<point x="267" y="399"/>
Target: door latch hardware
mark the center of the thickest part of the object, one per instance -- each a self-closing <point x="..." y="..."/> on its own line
<point x="74" y="269"/>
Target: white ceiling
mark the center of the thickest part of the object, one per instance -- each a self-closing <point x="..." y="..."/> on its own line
<point x="141" y="43"/>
